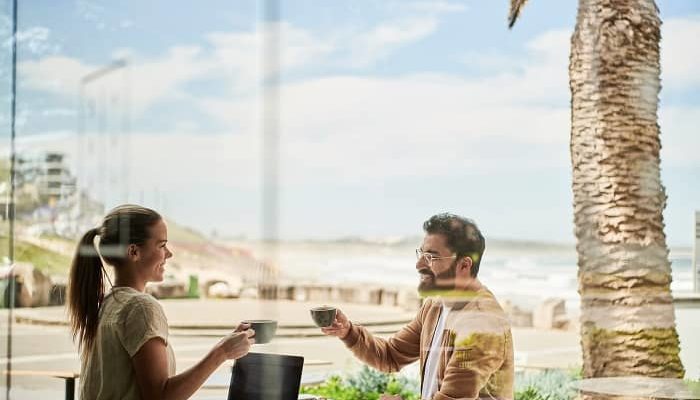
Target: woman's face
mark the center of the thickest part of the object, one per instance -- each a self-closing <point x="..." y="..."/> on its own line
<point x="154" y="253"/>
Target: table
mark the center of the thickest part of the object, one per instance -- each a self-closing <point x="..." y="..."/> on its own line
<point x="68" y="376"/>
<point x="637" y="386"/>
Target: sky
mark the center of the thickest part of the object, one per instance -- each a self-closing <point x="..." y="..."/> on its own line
<point x="390" y="111"/>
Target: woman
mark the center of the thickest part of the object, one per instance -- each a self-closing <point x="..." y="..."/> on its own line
<point x="123" y="335"/>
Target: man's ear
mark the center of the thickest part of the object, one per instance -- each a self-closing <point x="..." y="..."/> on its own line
<point x="466" y="265"/>
<point x="133" y="253"/>
<point x="463" y="272"/>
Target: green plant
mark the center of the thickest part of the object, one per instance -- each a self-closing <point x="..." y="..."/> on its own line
<point x="693" y="386"/>
<point x="366" y="384"/>
<point x="547" y="385"/>
<point x="333" y="388"/>
<point x="530" y="393"/>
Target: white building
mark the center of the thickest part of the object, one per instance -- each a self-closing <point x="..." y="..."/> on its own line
<point x="49" y="173"/>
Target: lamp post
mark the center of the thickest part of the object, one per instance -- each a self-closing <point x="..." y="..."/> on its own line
<point x="11" y="204"/>
<point x="696" y="254"/>
<point x="271" y="147"/>
<point x="86" y="80"/>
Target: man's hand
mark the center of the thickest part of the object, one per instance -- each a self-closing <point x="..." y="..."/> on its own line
<point x="340" y="327"/>
<point x="390" y="397"/>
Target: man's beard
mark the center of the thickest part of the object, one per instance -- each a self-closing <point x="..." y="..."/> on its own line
<point x="430" y="282"/>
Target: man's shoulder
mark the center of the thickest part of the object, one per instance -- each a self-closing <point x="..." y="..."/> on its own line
<point x="487" y="301"/>
<point x="483" y="312"/>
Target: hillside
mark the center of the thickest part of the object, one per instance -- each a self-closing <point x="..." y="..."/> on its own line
<point x="46" y="260"/>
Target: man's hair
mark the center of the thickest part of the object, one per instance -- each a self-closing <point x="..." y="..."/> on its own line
<point x="463" y="236"/>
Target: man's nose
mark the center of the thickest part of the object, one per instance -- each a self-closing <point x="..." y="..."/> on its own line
<point x="421" y="263"/>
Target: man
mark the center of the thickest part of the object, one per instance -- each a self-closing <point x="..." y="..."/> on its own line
<point x="460" y="335"/>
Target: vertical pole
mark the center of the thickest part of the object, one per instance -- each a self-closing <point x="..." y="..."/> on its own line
<point x="11" y="240"/>
<point x="696" y="254"/>
<point x="271" y="145"/>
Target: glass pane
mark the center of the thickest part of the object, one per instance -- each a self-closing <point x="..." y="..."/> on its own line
<point x="294" y="150"/>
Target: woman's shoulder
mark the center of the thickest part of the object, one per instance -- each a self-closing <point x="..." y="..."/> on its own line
<point x="132" y="299"/>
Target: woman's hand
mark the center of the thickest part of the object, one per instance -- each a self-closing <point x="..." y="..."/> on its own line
<point x="390" y="397"/>
<point x="237" y="344"/>
<point x="340" y="327"/>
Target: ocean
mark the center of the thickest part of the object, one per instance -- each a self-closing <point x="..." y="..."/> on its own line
<point x="512" y="270"/>
<point x="524" y="273"/>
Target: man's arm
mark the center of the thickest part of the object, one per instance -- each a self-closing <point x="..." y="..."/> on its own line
<point x="388" y="355"/>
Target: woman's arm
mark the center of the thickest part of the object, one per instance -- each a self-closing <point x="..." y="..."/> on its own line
<point x="151" y="366"/>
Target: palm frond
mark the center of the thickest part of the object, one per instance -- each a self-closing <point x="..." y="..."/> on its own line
<point x="515" y="7"/>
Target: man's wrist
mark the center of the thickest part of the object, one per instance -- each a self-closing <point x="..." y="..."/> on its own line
<point x="348" y="331"/>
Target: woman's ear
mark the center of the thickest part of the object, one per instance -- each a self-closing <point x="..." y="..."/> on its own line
<point x="133" y="253"/>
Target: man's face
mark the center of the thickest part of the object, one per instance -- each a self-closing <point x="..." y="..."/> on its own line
<point x="441" y="273"/>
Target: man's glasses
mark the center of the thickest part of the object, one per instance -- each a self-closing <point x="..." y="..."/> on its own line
<point x="429" y="257"/>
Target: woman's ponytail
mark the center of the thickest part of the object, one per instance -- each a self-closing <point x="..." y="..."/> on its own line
<point x="85" y="291"/>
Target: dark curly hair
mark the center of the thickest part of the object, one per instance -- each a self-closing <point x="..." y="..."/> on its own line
<point x="463" y="236"/>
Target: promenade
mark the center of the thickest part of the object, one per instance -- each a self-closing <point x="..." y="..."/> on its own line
<point x="41" y="340"/>
<point x="218" y="316"/>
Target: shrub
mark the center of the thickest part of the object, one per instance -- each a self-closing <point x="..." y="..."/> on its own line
<point x="366" y="384"/>
<point x="547" y="385"/>
<point x="369" y="384"/>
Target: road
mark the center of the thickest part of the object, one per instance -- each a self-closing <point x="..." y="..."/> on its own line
<point x="48" y="348"/>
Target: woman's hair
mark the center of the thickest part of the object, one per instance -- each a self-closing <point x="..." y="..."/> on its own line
<point x="125" y="225"/>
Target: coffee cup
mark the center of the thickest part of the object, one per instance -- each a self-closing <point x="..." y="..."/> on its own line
<point x="264" y="329"/>
<point x="323" y="316"/>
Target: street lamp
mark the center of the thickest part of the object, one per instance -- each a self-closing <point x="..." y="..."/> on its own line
<point x="85" y="81"/>
<point x="11" y="204"/>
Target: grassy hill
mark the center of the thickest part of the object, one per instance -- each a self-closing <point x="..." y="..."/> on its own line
<point x="183" y="234"/>
<point x="58" y="262"/>
<point x="46" y="260"/>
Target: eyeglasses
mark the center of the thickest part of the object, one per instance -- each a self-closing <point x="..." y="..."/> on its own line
<point x="429" y="257"/>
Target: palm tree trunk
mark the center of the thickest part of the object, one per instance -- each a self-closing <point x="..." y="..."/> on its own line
<point x="627" y="316"/>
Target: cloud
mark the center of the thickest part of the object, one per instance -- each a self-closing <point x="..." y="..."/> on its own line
<point x="680" y="54"/>
<point x="679" y="135"/>
<point x="126" y="23"/>
<point x="92" y="12"/>
<point x="414" y="125"/>
<point x="141" y="84"/>
<point x="241" y="52"/>
<point x="54" y="74"/>
<point x="58" y="112"/>
<point x="438" y="6"/>
<point x="349" y="130"/>
<point x="36" y="40"/>
<point x="488" y="61"/>
<point x="169" y="161"/>
<point x="410" y="127"/>
<point x="376" y="44"/>
<point x="420" y="125"/>
<point x="232" y="57"/>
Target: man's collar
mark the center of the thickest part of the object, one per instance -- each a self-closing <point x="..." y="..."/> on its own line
<point x="454" y="299"/>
